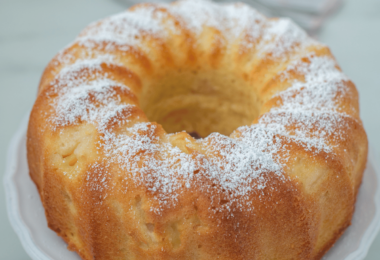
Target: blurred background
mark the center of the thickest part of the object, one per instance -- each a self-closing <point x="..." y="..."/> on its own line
<point x="32" y="32"/>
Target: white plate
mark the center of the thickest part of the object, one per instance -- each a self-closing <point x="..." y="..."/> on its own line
<point x="27" y="217"/>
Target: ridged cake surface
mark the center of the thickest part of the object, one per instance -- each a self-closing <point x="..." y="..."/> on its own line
<point x="274" y="176"/>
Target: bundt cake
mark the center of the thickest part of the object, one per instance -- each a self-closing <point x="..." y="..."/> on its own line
<point x="277" y="164"/>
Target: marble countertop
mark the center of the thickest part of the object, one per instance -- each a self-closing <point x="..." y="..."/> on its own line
<point x="31" y="33"/>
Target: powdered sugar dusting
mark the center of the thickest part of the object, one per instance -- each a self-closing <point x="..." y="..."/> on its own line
<point x="234" y="21"/>
<point x="124" y="29"/>
<point x="90" y="96"/>
<point x="310" y="129"/>
<point x="230" y="19"/>
<point x="238" y="167"/>
<point x="158" y="165"/>
<point x="307" y="113"/>
<point x="236" y="164"/>
<point x="72" y="73"/>
<point x="322" y="81"/>
<point x="83" y="103"/>
<point x="281" y="36"/>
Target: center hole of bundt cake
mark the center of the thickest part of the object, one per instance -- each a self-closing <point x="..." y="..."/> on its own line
<point x="199" y="102"/>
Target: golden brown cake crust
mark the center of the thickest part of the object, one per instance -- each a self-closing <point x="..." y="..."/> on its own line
<point x="275" y="175"/>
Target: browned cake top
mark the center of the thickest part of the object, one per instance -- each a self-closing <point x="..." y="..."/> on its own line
<point x="306" y="113"/>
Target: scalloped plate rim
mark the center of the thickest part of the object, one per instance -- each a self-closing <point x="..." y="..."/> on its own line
<point x="31" y="248"/>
